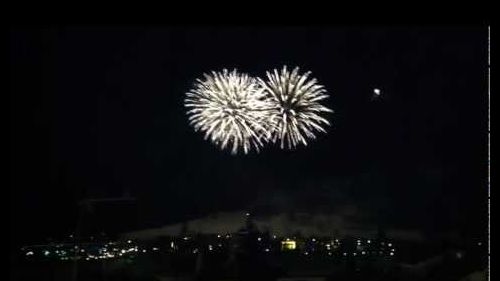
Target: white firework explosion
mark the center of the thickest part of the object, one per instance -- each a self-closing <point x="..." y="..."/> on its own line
<point x="296" y="110"/>
<point x="231" y="109"/>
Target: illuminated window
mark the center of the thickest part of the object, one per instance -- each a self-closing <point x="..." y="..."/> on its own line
<point x="288" y="245"/>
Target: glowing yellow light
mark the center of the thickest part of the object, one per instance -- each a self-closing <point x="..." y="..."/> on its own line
<point x="288" y="245"/>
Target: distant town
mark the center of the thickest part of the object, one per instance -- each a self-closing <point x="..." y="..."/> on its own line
<point x="326" y="246"/>
<point x="248" y="251"/>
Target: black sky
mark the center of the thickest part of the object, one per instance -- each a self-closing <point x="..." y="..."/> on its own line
<point x="99" y="110"/>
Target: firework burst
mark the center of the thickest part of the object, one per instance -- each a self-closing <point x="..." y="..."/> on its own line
<point x="296" y="111"/>
<point x="231" y="109"/>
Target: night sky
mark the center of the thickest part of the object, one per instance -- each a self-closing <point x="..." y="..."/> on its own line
<point x="98" y="111"/>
